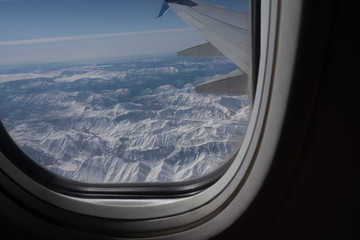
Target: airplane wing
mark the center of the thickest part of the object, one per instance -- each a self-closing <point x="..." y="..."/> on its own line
<point x="227" y="34"/>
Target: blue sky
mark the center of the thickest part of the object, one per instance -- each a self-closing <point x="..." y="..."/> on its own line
<point x="35" y="31"/>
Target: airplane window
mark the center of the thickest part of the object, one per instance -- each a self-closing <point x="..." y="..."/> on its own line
<point x="127" y="119"/>
<point x="107" y="92"/>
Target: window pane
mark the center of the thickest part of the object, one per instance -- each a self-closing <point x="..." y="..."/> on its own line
<point x="94" y="92"/>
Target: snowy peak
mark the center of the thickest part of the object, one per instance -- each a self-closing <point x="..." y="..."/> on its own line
<point x="117" y="123"/>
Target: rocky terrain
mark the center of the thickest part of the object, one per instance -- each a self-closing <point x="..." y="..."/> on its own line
<point x="136" y="121"/>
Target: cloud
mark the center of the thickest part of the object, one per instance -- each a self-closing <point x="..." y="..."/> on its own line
<point x="84" y="37"/>
<point x="23" y="76"/>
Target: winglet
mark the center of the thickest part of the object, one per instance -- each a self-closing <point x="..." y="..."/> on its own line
<point x="165" y="6"/>
<point x="164" y="9"/>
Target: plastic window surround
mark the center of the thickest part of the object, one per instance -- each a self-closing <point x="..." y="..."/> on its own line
<point x="222" y="203"/>
<point x="146" y="190"/>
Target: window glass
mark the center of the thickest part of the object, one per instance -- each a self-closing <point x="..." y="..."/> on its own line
<point x="95" y="92"/>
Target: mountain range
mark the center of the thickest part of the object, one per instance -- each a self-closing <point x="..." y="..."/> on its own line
<point x="121" y="122"/>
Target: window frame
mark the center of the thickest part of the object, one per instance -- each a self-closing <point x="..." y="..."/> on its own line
<point x="222" y="202"/>
<point x="141" y="190"/>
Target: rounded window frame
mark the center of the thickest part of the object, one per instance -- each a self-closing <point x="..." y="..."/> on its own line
<point x="237" y="187"/>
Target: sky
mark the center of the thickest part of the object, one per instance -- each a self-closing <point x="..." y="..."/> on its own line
<point x="42" y="31"/>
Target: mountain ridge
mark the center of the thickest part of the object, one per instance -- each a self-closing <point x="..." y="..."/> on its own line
<point x="117" y="124"/>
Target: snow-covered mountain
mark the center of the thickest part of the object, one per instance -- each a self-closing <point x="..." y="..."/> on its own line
<point x="124" y="122"/>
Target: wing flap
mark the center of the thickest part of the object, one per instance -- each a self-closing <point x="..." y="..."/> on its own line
<point x="234" y="83"/>
<point x="206" y="50"/>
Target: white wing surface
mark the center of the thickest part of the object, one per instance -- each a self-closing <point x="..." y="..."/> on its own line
<point x="227" y="33"/>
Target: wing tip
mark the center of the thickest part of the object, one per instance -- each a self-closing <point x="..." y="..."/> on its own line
<point x="164" y="9"/>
